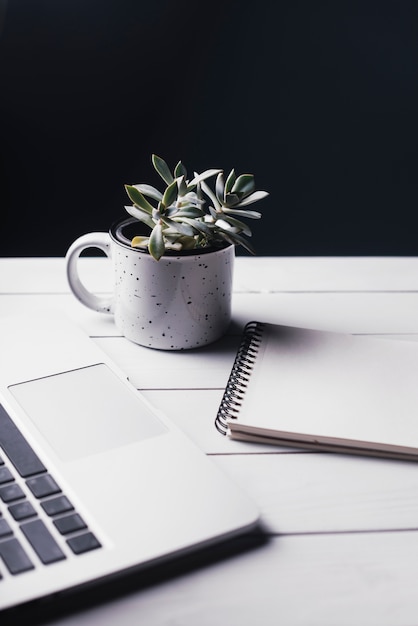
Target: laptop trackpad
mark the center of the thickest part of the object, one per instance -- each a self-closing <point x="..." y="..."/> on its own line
<point x="86" y="411"/>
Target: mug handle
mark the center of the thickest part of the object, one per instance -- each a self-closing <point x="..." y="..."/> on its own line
<point x="101" y="241"/>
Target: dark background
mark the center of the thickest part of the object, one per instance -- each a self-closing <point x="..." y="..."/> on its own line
<point x="318" y="99"/>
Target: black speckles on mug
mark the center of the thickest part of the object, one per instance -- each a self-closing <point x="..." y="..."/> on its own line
<point x="176" y="303"/>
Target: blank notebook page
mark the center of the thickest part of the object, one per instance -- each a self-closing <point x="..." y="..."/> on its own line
<point x="332" y="386"/>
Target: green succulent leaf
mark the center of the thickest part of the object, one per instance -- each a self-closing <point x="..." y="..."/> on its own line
<point x="220" y="187"/>
<point x="192" y="198"/>
<point x="150" y="191"/>
<point x="180" y="227"/>
<point x="181" y="185"/>
<point x="140" y="215"/>
<point x="139" y="242"/>
<point x="255" y="215"/>
<point x="138" y="199"/>
<point x="180" y="170"/>
<point x="213" y="213"/>
<point x="186" y="243"/>
<point x="230" y="181"/>
<point x="254" y="197"/>
<point x="203" y="227"/>
<point x="244" y="185"/>
<point x="203" y="176"/>
<point x="171" y="211"/>
<point x="208" y="191"/>
<point x="244" y="228"/>
<point x="170" y="194"/>
<point x="156" y="244"/>
<point x="162" y="168"/>
<point x="231" y="199"/>
<point x="236" y="239"/>
<point x="189" y="211"/>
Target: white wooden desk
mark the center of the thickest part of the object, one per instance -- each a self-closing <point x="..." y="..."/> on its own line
<point x="342" y="532"/>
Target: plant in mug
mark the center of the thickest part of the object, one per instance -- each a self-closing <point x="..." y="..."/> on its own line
<point x="180" y="218"/>
<point x="191" y="228"/>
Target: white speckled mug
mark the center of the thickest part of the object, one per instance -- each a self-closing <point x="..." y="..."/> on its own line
<point x="181" y="301"/>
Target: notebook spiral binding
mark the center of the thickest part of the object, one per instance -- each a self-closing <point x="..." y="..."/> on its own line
<point x="239" y="376"/>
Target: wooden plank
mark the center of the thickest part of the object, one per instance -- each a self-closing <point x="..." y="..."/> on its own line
<point x="374" y="313"/>
<point x="312" y="492"/>
<point x="47" y="275"/>
<point x="269" y="274"/>
<point x="252" y="274"/>
<point x="205" y="368"/>
<point x="327" y="580"/>
<point x="94" y="324"/>
<point x="209" y="367"/>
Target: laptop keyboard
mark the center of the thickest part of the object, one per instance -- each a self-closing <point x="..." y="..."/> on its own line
<point x="27" y="505"/>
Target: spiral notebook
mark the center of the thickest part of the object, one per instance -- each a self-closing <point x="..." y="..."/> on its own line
<point x="323" y="391"/>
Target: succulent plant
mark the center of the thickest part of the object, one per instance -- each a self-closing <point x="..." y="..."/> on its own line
<point x="178" y="218"/>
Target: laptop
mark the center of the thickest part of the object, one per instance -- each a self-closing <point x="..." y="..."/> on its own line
<point x="93" y="480"/>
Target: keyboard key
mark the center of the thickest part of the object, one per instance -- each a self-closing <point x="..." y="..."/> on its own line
<point x="5" y="529"/>
<point x="6" y="475"/>
<point x="42" y="541"/>
<point x="70" y="523"/>
<point x="83" y="543"/>
<point x="17" y="448"/>
<point x="14" y="556"/>
<point x="22" y="510"/>
<point x="11" y="492"/>
<point x="42" y="486"/>
<point x="55" y="506"/>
